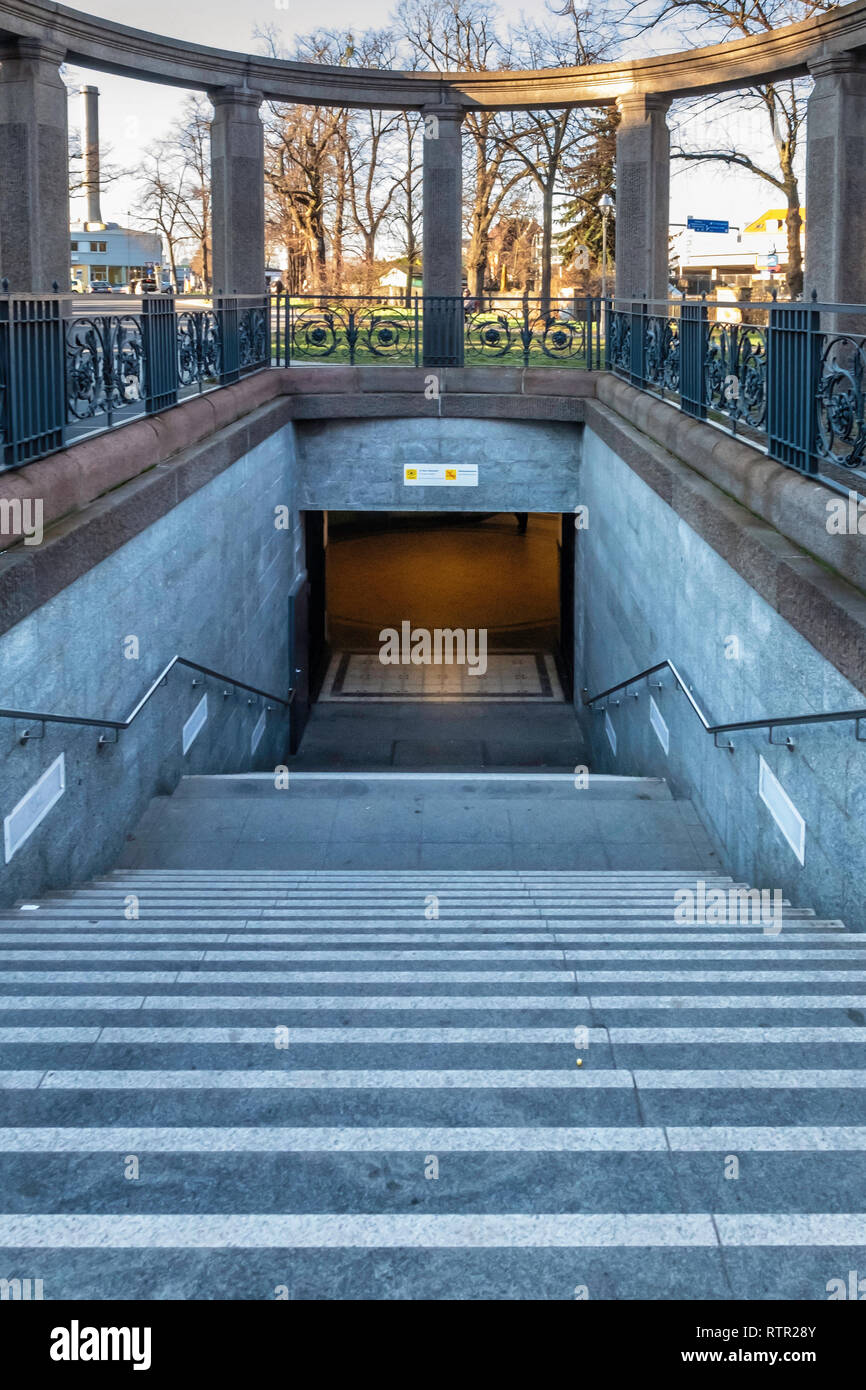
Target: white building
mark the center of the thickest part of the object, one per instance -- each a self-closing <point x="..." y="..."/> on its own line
<point x="754" y="257"/>
<point x="105" y="251"/>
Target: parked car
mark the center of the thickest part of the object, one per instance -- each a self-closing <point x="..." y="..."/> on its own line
<point x="100" y="287"/>
<point x="76" y="287"/>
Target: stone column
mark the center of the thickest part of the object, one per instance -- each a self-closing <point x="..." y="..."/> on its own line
<point x="238" y="191"/>
<point x="642" y="196"/>
<point x="442" y="200"/>
<point x="836" y="181"/>
<point x="34" y="168"/>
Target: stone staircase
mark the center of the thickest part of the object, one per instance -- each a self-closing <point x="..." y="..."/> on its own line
<point x="427" y="1083"/>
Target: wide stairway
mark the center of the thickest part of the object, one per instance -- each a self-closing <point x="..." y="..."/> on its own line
<point x="437" y="1083"/>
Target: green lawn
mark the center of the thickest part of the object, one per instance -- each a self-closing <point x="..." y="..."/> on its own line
<point x="403" y="354"/>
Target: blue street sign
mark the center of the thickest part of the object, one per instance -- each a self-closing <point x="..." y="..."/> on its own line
<point x="706" y="224"/>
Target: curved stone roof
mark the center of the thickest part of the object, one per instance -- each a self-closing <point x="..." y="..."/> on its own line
<point x="110" y="47"/>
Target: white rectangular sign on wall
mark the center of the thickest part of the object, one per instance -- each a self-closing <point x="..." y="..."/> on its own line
<point x="34" y="806"/>
<point x="610" y="731"/>
<point x="194" y="725"/>
<point x="782" y="809"/>
<point x="661" y="729"/>
<point x="258" y="731"/>
<point x="441" y="475"/>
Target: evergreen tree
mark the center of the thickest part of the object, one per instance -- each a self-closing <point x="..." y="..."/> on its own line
<point x="591" y="176"/>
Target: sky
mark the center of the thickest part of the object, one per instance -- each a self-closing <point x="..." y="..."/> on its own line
<point x="135" y="115"/>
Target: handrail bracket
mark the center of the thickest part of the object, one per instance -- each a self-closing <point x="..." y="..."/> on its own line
<point x="787" y="742"/>
<point x="34" y="729"/>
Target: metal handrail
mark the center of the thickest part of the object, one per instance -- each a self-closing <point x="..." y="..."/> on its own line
<point x="739" y="725"/>
<point x="36" y="717"/>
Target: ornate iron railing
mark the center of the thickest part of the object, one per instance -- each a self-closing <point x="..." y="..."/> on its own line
<point x="531" y="332"/>
<point x="349" y="330"/>
<point x="438" y="330"/>
<point x="71" y="366"/>
<point x="788" y="377"/>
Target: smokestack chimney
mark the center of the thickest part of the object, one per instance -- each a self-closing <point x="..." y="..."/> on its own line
<point x="90" y="151"/>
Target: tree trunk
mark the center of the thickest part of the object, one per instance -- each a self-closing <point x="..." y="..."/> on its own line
<point x="795" y="255"/>
<point x="476" y="255"/>
<point x="546" y="245"/>
<point x="340" y="204"/>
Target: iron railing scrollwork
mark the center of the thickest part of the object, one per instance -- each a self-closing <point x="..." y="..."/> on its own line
<point x="254" y="349"/>
<point x="104" y="366"/>
<point x="352" y="330"/>
<point x="787" y="377"/>
<point x="529" y="332"/>
<point x="199" y="347"/>
<point x="841" y="430"/>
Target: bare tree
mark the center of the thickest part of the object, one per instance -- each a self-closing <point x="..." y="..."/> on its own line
<point x="193" y="134"/>
<point x="365" y="140"/>
<point x="175" y="190"/>
<point x="462" y="34"/>
<point x="305" y="160"/>
<point x="162" y="193"/>
<point x="405" y="217"/>
<point x="556" y="145"/>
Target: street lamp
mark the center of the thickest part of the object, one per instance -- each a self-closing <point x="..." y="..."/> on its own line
<point x="605" y="207"/>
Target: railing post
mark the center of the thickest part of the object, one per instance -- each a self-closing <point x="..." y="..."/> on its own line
<point x="351" y="334"/>
<point x="443" y="330"/>
<point x="793" y="375"/>
<point x="159" y="349"/>
<point x="32" y="377"/>
<point x="274" y="327"/>
<point x="694" y="328"/>
<point x="589" y="334"/>
<point x="417" y="332"/>
<point x="226" y="306"/>
<point x="637" y="360"/>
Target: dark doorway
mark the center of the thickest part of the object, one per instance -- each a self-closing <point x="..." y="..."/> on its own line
<point x="499" y="572"/>
<point x="508" y="574"/>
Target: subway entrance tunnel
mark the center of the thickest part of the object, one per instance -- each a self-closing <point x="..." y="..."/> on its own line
<point x="440" y="640"/>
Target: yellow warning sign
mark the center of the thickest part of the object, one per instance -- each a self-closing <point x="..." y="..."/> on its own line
<point x="441" y="475"/>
